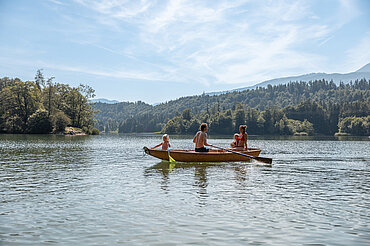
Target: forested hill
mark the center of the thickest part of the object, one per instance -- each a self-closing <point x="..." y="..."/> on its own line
<point x="142" y="117"/>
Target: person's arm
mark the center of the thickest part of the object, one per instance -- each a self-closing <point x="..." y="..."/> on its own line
<point x="205" y="141"/>
<point x="157" y="145"/>
<point x="245" y="143"/>
<point x="195" y="137"/>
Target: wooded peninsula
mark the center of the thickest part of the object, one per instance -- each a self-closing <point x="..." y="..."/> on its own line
<point x="43" y="106"/>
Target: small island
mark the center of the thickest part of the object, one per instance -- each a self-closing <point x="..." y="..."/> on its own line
<point x="43" y="107"/>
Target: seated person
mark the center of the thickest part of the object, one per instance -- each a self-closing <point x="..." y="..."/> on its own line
<point x="236" y="141"/>
<point x="200" y="139"/>
<point x="243" y="137"/>
<point x="165" y="143"/>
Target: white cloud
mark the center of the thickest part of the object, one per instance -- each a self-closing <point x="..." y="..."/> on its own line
<point x="348" y="10"/>
<point x="218" y="41"/>
<point x="359" y="55"/>
<point x="110" y="73"/>
<point x="56" y="2"/>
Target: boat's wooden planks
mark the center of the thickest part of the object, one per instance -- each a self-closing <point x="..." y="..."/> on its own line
<point x="192" y="156"/>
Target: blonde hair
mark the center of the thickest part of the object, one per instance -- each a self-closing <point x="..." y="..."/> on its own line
<point x="165" y="136"/>
<point x="236" y="135"/>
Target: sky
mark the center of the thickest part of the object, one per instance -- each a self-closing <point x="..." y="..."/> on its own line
<point x="155" y="51"/>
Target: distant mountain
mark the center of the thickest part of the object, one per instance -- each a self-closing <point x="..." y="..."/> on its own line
<point x="364" y="69"/>
<point x="103" y="100"/>
<point x="363" y="72"/>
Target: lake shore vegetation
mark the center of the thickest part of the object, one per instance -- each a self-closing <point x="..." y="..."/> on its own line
<point x="317" y="107"/>
<point x="44" y="106"/>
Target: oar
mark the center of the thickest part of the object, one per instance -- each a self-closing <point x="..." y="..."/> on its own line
<point x="168" y="149"/>
<point x="261" y="159"/>
<point x="170" y="157"/>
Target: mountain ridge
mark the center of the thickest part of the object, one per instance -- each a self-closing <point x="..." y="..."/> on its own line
<point x="363" y="72"/>
<point x="104" y="100"/>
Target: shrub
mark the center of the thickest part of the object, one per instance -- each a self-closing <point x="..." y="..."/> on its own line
<point x="39" y="122"/>
<point x="91" y="131"/>
<point x="85" y="129"/>
<point x="95" y="131"/>
<point x="61" y="121"/>
<point x="300" y="134"/>
<point x="300" y="128"/>
<point x="359" y="126"/>
<point x="340" y="134"/>
<point x="14" y="124"/>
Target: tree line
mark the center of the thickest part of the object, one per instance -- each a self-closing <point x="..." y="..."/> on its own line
<point x="307" y="118"/>
<point x="44" y="106"/>
<point x="315" y="107"/>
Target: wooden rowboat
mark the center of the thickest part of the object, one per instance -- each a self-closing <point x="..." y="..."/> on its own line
<point x="211" y="156"/>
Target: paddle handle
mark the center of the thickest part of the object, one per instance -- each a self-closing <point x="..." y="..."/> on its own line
<point x="233" y="151"/>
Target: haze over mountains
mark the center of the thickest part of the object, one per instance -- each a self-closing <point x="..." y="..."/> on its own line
<point x="363" y="72"/>
<point x="103" y="100"/>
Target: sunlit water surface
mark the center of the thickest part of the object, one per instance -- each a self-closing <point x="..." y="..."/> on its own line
<point x="102" y="190"/>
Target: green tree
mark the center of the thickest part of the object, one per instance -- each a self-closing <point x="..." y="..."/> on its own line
<point x="39" y="79"/>
<point x="14" y="124"/>
<point x="239" y="117"/>
<point x="78" y="108"/>
<point x="359" y="126"/>
<point x="186" y="114"/>
<point x="20" y="100"/>
<point x="40" y="122"/>
<point x="313" y="112"/>
<point x="61" y="121"/>
<point x="49" y="96"/>
<point x="299" y="127"/>
<point x="221" y="124"/>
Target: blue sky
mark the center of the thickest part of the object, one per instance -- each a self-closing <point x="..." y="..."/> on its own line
<point x="156" y="51"/>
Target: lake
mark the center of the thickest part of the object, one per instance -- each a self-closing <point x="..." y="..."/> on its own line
<point x="103" y="190"/>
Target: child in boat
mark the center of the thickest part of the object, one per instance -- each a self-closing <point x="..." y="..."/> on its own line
<point x="165" y="143"/>
<point x="236" y="141"/>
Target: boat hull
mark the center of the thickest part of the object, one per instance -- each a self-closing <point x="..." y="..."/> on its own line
<point x="212" y="156"/>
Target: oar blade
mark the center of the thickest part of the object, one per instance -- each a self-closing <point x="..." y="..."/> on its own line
<point x="170" y="158"/>
<point x="263" y="159"/>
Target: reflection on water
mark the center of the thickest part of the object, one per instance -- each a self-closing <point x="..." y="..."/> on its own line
<point x="165" y="168"/>
<point x="27" y="165"/>
<point x="101" y="190"/>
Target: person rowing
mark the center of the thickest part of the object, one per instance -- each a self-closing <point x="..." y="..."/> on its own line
<point x="200" y="139"/>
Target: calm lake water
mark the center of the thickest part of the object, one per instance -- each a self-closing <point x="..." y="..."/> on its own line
<point x="102" y="190"/>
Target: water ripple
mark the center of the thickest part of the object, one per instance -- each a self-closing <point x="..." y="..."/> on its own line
<point x="103" y="191"/>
